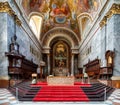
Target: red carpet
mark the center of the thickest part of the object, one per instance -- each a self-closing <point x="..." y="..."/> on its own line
<point x="61" y="93"/>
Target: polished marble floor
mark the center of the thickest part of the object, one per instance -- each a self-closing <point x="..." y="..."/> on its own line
<point x="64" y="103"/>
<point x="6" y="98"/>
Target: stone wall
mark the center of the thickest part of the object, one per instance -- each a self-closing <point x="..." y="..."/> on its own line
<point x="101" y="39"/>
<point x="116" y="42"/>
<point x="91" y="48"/>
<point x="29" y="44"/>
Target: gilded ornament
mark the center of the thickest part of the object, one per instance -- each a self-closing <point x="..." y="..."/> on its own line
<point x="103" y="22"/>
<point x="5" y="7"/>
<point x="115" y="9"/>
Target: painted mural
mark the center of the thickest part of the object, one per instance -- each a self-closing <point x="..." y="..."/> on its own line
<point x="61" y="12"/>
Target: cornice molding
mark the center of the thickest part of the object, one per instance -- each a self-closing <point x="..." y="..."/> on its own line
<point x="115" y="9"/>
<point x="103" y="21"/>
<point x="5" y="7"/>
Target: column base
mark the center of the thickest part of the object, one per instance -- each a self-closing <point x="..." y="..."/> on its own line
<point x="116" y="81"/>
<point x="4" y="83"/>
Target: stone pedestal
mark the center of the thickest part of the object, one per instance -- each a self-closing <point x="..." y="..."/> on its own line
<point x="116" y="81"/>
<point x="4" y="83"/>
<point x="106" y="82"/>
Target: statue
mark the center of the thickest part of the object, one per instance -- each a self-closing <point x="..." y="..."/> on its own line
<point x="14" y="47"/>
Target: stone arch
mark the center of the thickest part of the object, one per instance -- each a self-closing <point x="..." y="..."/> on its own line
<point x="84" y="21"/>
<point x="35" y="13"/>
<point x="85" y="14"/>
<point x="58" y="38"/>
<point x="68" y="39"/>
<point x="60" y="32"/>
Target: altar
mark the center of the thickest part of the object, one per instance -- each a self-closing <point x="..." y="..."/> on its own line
<point x="60" y="80"/>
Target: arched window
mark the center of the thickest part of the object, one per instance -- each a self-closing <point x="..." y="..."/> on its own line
<point x="35" y="24"/>
<point x="84" y="20"/>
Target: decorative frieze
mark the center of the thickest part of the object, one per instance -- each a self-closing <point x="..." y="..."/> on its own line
<point x="5" y="7"/>
<point x="115" y="9"/>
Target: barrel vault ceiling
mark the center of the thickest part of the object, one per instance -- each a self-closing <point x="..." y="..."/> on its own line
<point x="61" y="13"/>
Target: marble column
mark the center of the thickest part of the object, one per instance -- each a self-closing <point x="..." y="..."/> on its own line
<point x="76" y="65"/>
<point x="116" y="39"/>
<point x="41" y="71"/>
<point x="103" y="46"/>
<point x="3" y="48"/>
<point x="48" y="60"/>
<point x="72" y="65"/>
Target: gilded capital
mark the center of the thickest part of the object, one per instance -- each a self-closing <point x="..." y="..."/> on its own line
<point x="115" y="9"/>
<point x="5" y="7"/>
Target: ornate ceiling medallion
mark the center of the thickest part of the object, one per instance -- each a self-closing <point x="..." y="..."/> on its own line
<point x="60" y="19"/>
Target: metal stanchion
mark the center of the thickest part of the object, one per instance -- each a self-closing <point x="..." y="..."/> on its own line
<point x="105" y="94"/>
<point x="17" y="95"/>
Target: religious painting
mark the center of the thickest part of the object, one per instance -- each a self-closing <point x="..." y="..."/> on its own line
<point x="90" y="6"/>
<point x="59" y="11"/>
<point x="34" y="6"/>
<point x="60" y="55"/>
<point x="61" y="7"/>
<point x="26" y="6"/>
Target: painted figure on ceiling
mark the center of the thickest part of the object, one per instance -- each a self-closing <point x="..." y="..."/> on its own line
<point x="39" y="5"/>
<point x="35" y="4"/>
<point x="26" y="6"/>
<point x="59" y="8"/>
<point x="59" y="13"/>
<point x="87" y="6"/>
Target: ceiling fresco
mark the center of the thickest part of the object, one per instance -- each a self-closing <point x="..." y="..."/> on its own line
<point x="61" y="13"/>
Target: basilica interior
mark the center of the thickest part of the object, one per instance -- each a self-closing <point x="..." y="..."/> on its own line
<point x="57" y="41"/>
